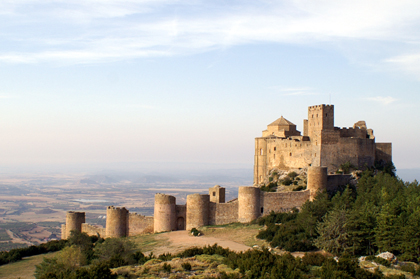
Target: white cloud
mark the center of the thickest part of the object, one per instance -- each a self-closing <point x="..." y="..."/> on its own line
<point x="409" y="63"/>
<point x="294" y="91"/>
<point x="382" y="100"/>
<point x="77" y="31"/>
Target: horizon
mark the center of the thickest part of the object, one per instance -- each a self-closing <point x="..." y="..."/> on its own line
<point x="90" y="84"/>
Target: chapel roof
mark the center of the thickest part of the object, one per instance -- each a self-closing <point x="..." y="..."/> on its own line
<point x="281" y="122"/>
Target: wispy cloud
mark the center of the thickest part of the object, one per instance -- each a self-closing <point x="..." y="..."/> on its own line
<point x="382" y="100"/>
<point x="409" y="63"/>
<point x="77" y="31"/>
<point x="295" y="91"/>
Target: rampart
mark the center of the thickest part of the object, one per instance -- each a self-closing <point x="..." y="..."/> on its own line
<point x="93" y="230"/>
<point x="139" y="224"/>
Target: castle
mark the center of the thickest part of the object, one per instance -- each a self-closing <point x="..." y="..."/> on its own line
<point x="283" y="147"/>
<point x="322" y="147"/>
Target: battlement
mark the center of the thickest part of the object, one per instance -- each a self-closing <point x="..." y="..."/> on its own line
<point x="111" y="207"/>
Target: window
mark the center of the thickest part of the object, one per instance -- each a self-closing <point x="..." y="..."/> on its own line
<point x="274" y="156"/>
<point x="261" y="151"/>
<point x="274" y="149"/>
<point x="214" y="194"/>
<point x="290" y="154"/>
<point x="262" y="209"/>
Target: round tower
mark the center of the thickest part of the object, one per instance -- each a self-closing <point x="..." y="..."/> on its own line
<point x="165" y="213"/>
<point x="197" y="211"/>
<point x="74" y="221"/>
<point x="316" y="180"/>
<point x="116" y="222"/>
<point x="248" y="204"/>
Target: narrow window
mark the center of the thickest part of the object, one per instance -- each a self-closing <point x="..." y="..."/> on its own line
<point x="262" y="209"/>
<point x="274" y="149"/>
<point x="261" y="151"/>
<point x="274" y="156"/>
<point x="290" y="154"/>
<point x="214" y="194"/>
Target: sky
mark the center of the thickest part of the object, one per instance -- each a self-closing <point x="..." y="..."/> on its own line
<point x="102" y="82"/>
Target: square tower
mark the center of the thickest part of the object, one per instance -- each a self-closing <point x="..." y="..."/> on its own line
<point x="217" y="194"/>
<point x="320" y="118"/>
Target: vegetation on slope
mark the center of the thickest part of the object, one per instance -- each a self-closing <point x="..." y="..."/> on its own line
<point x="381" y="214"/>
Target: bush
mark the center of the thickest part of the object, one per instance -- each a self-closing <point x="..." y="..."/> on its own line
<point x="195" y="232"/>
<point x="292" y="174"/>
<point x="313" y="259"/>
<point x="186" y="266"/>
<point x="166" y="267"/>
<point x="287" y="181"/>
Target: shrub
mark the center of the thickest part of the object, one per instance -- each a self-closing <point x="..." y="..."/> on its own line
<point x="195" y="232"/>
<point x="166" y="267"/>
<point x="292" y="174"/>
<point x="186" y="266"/>
<point x="313" y="259"/>
<point x="287" y="181"/>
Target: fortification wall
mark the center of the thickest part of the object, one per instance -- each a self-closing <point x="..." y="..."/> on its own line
<point x="353" y="132"/>
<point x="336" y="180"/>
<point x="223" y="213"/>
<point x="197" y="211"/>
<point x="248" y="204"/>
<point x="165" y="213"/>
<point x="282" y="202"/>
<point x="116" y="222"/>
<point x="383" y="151"/>
<point x="63" y="231"/>
<point x="93" y="230"/>
<point x="139" y="224"/>
<point x="288" y="153"/>
<point x="357" y="151"/>
<point x="74" y="221"/>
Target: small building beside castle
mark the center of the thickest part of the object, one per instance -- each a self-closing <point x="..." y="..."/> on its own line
<point x="322" y="147"/>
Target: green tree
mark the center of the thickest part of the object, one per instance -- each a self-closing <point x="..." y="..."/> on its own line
<point x="333" y="234"/>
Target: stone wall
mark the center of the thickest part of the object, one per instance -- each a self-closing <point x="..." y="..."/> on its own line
<point x="74" y="221"/>
<point x="139" y="224"/>
<point x="223" y="213"/>
<point x="384" y="151"/>
<point x="181" y="216"/>
<point x="93" y="230"/>
<point x="282" y="202"/>
<point x="165" y="213"/>
<point x="335" y="180"/>
<point x="197" y="211"/>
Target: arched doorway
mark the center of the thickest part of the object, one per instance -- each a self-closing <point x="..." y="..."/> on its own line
<point x="180" y="223"/>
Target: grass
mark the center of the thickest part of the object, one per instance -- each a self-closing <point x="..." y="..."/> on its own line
<point x="23" y="269"/>
<point x="202" y="266"/>
<point x="238" y="232"/>
<point x="148" y="242"/>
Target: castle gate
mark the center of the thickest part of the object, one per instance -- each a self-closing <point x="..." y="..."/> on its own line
<point x="180" y="224"/>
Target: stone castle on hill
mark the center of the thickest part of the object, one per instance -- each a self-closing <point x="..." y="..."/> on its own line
<point x="322" y="147"/>
<point x="283" y="147"/>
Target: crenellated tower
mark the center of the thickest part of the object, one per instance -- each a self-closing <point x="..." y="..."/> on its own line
<point x="116" y="221"/>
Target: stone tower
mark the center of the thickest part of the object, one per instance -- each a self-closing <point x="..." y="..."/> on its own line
<point x="165" y="213"/>
<point x="74" y="221"/>
<point x="248" y="204"/>
<point x="116" y="222"/>
<point x="197" y="211"/>
<point x="217" y="194"/>
<point x="317" y="180"/>
<point x="320" y="119"/>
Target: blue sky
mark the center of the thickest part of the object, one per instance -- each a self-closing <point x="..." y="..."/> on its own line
<point x="111" y="81"/>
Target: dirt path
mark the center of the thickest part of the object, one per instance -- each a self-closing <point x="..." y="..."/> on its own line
<point x="180" y="240"/>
